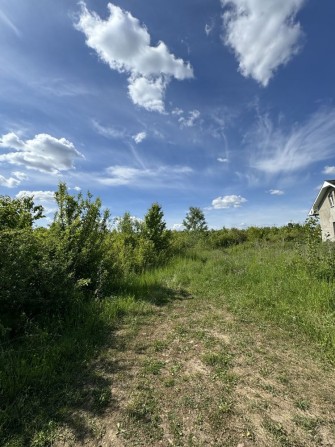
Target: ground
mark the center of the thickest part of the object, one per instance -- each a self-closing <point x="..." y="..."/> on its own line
<point x="191" y="373"/>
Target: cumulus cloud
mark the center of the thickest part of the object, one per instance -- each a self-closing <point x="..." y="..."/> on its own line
<point x="329" y="170"/>
<point x="262" y="34"/>
<point x="125" y="175"/>
<point x="190" y="121"/>
<point x="43" y="153"/>
<point x="276" y="150"/>
<point x="232" y="201"/>
<point x="138" y="138"/>
<point x="276" y="192"/>
<point x="123" y="43"/>
<point x="39" y="196"/>
<point x="148" y="93"/>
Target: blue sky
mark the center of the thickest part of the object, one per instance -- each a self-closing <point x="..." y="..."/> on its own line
<point x="225" y="105"/>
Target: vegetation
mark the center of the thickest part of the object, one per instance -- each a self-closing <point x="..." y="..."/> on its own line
<point x="66" y="289"/>
<point x="195" y="220"/>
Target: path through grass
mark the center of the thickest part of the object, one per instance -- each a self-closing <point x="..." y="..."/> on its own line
<point x="231" y="349"/>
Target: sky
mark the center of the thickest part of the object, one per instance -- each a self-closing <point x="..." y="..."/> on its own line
<point x="223" y="105"/>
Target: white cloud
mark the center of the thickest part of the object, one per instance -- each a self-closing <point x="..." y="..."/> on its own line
<point x="148" y="93"/>
<point x="232" y="201"/>
<point x="276" y="192"/>
<point x="125" y="175"/>
<point x="39" y="196"/>
<point x="43" y="153"/>
<point x="276" y="150"/>
<point x="222" y="160"/>
<point x="262" y="34"/>
<point x="177" y="111"/>
<point x="193" y="116"/>
<point x="329" y="170"/>
<point x="20" y="175"/>
<point x="10" y="182"/>
<point x="138" y="138"/>
<point x="178" y="227"/>
<point x="15" y="180"/>
<point x="109" y="132"/>
<point x="123" y="43"/>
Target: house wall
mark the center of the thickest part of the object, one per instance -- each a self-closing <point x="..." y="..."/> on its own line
<point x="327" y="217"/>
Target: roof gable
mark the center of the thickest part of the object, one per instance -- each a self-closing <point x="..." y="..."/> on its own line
<point x="326" y="185"/>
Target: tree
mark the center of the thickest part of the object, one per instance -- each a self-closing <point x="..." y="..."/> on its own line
<point x="80" y="228"/>
<point x="154" y="228"/>
<point x="19" y="213"/>
<point x="195" y="220"/>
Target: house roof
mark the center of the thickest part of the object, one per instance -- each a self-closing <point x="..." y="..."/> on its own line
<point x="315" y="208"/>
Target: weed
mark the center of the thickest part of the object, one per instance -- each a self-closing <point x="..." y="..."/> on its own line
<point x="302" y="404"/>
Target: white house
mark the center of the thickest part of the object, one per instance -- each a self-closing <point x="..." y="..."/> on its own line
<point x="324" y="207"/>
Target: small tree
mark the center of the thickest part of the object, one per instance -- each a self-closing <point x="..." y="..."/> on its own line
<point x="80" y="228"/>
<point x="154" y="228"/>
<point x="195" y="220"/>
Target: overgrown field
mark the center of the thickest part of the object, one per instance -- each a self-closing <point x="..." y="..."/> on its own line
<point x="134" y="335"/>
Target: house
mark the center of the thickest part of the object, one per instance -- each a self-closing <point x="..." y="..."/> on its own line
<point x="324" y="208"/>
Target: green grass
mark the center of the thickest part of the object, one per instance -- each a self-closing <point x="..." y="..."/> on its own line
<point x="262" y="283"/>
<point x="49" y="376"/>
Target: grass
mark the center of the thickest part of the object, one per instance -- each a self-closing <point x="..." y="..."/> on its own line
<point x="266" y="283"/>
<point x="48" y="375"/>
<point x="178" y="342"/>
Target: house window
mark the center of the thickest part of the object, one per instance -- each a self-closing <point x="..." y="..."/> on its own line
<point x="331" y="199"/>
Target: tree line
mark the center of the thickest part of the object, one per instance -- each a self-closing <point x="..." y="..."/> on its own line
<point x="81" y="256"/>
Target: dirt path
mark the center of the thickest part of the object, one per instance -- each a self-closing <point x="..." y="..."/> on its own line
<point x="192" y="374"/>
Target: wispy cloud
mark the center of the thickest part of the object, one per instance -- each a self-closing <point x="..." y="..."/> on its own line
<point x="276" y="192"/>
<point x="191" y="120"/>
<point x="222" y="160"/>
<point x="209" y="27"/>
<point x="329" y="170"/>
<point x="109" y="131"/>
<point x="126" y="175"/>
<point x="263" y="34"/>
<point x="232" y="201"/>
<point x="10" y="182"/>
<point x="139" y="137"/>
<point x="274" y="149"/>
<point x="43" y="153"/>
<point x="123" y="43"/>
<point x="6" y="20"/>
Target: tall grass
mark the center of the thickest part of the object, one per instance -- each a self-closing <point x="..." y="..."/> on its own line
<point x="265" y="282"/>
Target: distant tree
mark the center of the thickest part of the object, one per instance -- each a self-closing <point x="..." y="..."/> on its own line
<point x="195" y="220"/>
<point x="154" y="227"/>
<point x="19" y="213"/>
